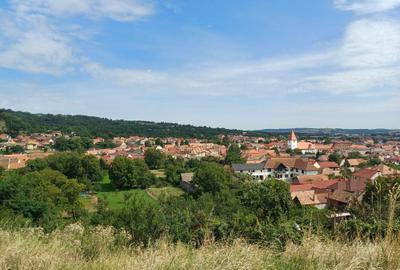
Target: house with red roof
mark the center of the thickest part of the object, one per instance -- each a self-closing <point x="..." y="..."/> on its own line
<point x="360" y="179"/>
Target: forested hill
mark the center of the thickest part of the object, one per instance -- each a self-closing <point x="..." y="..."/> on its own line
<point x="16" y="122"/>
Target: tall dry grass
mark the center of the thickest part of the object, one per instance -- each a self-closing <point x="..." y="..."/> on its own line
<point x="104" y="248"/>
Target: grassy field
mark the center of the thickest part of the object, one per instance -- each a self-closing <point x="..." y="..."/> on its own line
<point x="167" y="192"/>
<point x="116" y="198"/>
<point x="158" y="173"/>
<point x="96" y="248"/>
<point x="89" y="203"/>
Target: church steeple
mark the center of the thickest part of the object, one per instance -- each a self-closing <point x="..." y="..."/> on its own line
<point x="292" y="141"/>
<point x="292" y="136"/>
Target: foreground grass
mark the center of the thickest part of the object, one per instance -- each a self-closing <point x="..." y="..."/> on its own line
<point x="103" y="248"/>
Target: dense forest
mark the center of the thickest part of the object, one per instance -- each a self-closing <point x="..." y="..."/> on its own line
<point x="16" y="122"/>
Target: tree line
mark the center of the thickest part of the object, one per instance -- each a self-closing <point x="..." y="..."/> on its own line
<point x="88" y="126"/>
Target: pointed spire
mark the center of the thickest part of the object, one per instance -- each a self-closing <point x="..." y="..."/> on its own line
<point x="292" y="136"/>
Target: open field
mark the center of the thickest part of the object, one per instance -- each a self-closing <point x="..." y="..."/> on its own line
<point x="167" y="192"/>
<point x="158" y="173"/>
<point x="77" y="248"/>
<point x="115" y="198"/>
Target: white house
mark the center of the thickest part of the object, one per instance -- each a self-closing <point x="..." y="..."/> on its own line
<point x="286" y="169"/>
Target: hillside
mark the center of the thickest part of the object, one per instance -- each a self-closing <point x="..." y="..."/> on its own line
<point x="16" y="122"/>
<point x="103" y="248"/>
<point x="335" y="131"/>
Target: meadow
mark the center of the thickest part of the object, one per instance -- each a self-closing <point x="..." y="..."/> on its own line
<point x="75" y="247"/>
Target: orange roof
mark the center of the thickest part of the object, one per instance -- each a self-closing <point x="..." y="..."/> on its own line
<point x="325" y="184"/>
<point x="305" y="145"/>
<point x="328" y="164"/>
<point x="310" y="198"/>
<point x="311" y="178"/>
<point x="356" y="161"/>
<point x="366" y="173"/>
<point x="300" y="187"/>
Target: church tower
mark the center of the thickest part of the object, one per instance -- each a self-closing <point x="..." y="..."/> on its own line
<point x="292" y="141"/>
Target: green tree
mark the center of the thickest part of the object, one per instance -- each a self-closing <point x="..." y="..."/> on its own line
<point x="154" y="158"/>
<point x="233" y="155"/>
<point x="40" y="196"/>
<point x="15" y="149"/>
<point x="225" y="141"/>
<point x="91" y="168"/>
<point x="335" y="157"/>
<point x="77" y="144"/>
<point x="267" y="199"/>
<point x="37" y="164"/>
<point x="126" y="174"/>
<point x="173" y="173"/>
<point x="159" y="142"/>
<point x="61" y="144"/>
<point x="85" y="168"/>
<point x="211" y="177"/>
<point x="354" y="154"/>
<point x="105" y="145"/>
<point x="142" y="218"/>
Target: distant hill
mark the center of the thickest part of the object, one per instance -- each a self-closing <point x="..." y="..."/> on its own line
<point x="15" y="122"/>
<point x="334" y="131"/>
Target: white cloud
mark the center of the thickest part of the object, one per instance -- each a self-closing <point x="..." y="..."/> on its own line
<point x="355" y="82"/>
<point x="366" y="62"/>
<point x="125" y="77"/>
<point x="371" y="43"/>
<point x="367" y="6"/>
<point x="34" y="39"/>
<point x="119" y="10"/>
<point x="31" y="45"/>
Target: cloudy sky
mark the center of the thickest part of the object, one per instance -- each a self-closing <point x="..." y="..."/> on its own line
<point x="236" y="64"/>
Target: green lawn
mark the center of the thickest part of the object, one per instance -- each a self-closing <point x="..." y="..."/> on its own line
<point x="158" y="173"/>
<point x="168" y="192"/>
<point x="116" y="198"/>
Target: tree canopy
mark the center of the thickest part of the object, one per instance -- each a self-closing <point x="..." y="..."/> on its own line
<point x="233" y="155"/>
<point x="127" y="174"/>
<point x="211" y="177"/>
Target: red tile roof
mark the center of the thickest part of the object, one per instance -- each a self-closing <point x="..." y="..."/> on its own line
<point x="366" y="173"/>
<point x="328" y="164"/>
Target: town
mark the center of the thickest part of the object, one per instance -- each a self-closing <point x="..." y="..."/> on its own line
<point x="321" y="172"/>
<point x="213" y="135"/>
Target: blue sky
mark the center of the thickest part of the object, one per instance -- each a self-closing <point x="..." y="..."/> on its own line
<point x="236" y="64"/>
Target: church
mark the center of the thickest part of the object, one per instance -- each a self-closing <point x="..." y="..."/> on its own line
<point x="292" y="141"/>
